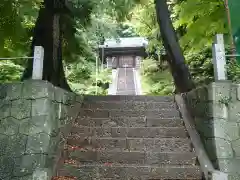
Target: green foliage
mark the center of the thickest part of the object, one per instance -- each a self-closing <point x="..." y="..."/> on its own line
<point x="10" y="72"/>
<point x="155" y="81"/>
<point x="196" y="23"/>
<point x="233" y="70"/>
<point x="87" y="24"/>
<point x="84" y="80"/>
<point x="91" y="21"/>
<point x="202" y="19"/>
<point x="200" y="65"/>
<point x="145" y="22"/>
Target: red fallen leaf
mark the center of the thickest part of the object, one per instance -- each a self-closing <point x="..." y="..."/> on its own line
<point x="70" y="161"/>
<point x="73" y="147"/>
<point x="108" y="164"/>
<point x="76" y="148"/>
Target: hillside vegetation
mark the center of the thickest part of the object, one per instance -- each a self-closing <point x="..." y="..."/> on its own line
<point x="89" y="22"/>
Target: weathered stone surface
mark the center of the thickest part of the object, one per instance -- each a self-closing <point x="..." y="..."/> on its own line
<point x="201" y="109"/>
<point x="36" y="89"/>
<point x="61" y="111"/>
<point x="159" y="145"/>
<point x="131" y="132"/>
<point x="102" y="122"/>
<point x="38" y="143"/>
<point x="217" y="175"/>
<point x="150" y="113"/>
<point x="170" y="158"/>
<point x="156" y="132"/>
<point x="151" y="122"/>
<point x="13" y="91"/>
<point x="109" y="98"/>
<point x="58" y="95"/>
<point x="219" y="148"/>
<point x="132" y="143"/>
<point x="219" y="90"/>
<point x="7" y="166"/>
<point x="84" y="156"/>
<point x="221" y="124"/>
<point x="29" y="163"/>
<point x="118" y="113"/>
<point x="24" y="126"/>
<point x="15" y="145"/>
<point x="42" y="174"/>
<point x="119" y="132"/>
<point x="5" y="108"/>
<point x="42" y="107"/>
<point x="234" y="112"/>
<point x="83" y="173"/>
<point x="136" y="121"/>
<point x="237" y="86"/>
<point x="146" y="172"/>
<point x="3" y="91"/>
<point x="236" y="147"/>
<point x="21" y="108"/>
<point x="134" y="105"/>
<point x="129" y="122"/>
<point x="22" y="178"/>
<point x="79" y="99"/>
<point x="233" y="176"/>
<point x="62" y="96"/>
<point x="37" y="124"/>
<point x="217" y="110"/>
<point x="220" y="128"/>
<point x="202" y="93"/>
<point x="32" y="126"/>
<point x="109" y="144"/>
<point x="122" y="157"/>
<point x="3" y="144"/>
<point x="9" y="126"/>
<point x="229" y="165"/>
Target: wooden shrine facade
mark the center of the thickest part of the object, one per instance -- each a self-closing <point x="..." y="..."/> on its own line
<point x="128" y="53"/>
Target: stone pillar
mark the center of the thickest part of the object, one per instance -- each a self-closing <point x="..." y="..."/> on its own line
<point x="219" y="58"/>
<point x="216" y="111"/>
<point x="38" y="63"/>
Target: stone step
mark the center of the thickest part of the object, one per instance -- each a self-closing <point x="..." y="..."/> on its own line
<point x="119" y="113"/>
<point x="130" y="132"/>
<point x="92" y="98"/>
<point x="131" y="144"/>
<point x="135" y="105"/>
<point x="133" y="157"/>
<point x="129" y="122"/>
<point x="130" y="92"/>
<point x="127" y="172"/>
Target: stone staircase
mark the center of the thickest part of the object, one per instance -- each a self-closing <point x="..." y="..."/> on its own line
<point x="125" y="82"/>
<point x="128" y="138"/>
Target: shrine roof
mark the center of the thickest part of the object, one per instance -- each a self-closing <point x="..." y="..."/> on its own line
<point x="129" y="42"/>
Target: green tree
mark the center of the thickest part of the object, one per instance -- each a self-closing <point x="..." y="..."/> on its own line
<point x="176" y="60"/>
<point x="195" y="23"/>
<point x="49" y="30"/>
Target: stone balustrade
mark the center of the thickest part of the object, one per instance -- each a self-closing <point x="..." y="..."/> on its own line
<point x="216" y="111"/>
<point x="35" y="118"/>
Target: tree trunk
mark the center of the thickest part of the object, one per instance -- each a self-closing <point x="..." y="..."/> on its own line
<point x="179" y="69"/>
<point x="48" y="34"/>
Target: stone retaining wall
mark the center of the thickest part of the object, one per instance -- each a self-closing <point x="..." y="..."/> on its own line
<point x="216" y="112"/>
<point x="35" y="117"/>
